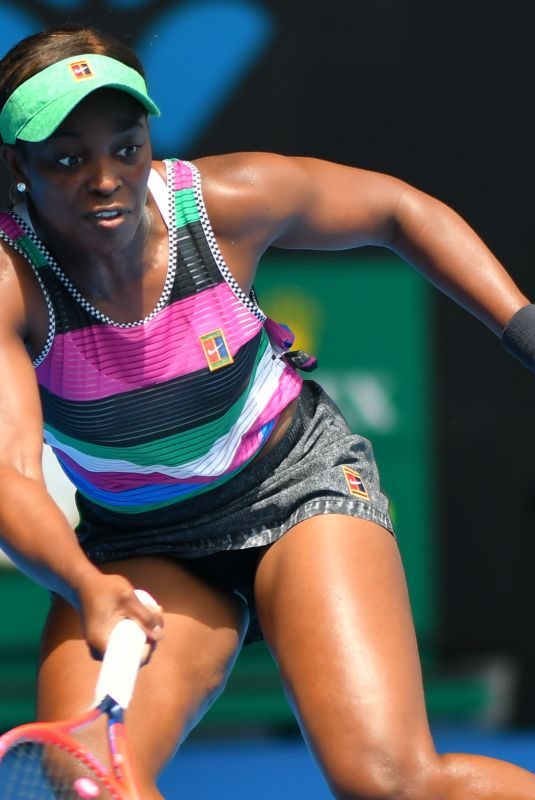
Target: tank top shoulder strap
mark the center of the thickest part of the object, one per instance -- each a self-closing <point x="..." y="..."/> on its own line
<point x="12" y="231"/>
<point x="190" y="236"/>
<point x="182" y="176"/>
<point x="190" y="213"/>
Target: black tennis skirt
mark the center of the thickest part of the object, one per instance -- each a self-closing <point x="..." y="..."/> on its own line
<point x="319" y="467"/>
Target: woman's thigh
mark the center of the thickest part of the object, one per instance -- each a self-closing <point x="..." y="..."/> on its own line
<point x="203" y="630"/>
<point x="333" y="605"/>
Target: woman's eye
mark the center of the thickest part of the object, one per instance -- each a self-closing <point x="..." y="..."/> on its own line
<point x="128" y="151"/>
<point x="69" y="161"/>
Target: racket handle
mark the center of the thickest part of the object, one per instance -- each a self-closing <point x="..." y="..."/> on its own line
<point x="122" y="659"/>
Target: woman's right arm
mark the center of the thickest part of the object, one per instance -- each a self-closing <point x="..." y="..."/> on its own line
<point x="34" y="532"/>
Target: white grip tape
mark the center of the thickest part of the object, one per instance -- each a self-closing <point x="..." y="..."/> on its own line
<point x="122" y="659"/>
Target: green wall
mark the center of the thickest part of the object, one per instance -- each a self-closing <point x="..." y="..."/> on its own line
<point x="366" y="316"/>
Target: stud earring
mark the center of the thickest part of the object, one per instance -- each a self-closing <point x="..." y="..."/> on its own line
<point x="15" y="191"/>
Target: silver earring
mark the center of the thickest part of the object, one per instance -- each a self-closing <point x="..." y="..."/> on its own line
<point x="15" y="191"/>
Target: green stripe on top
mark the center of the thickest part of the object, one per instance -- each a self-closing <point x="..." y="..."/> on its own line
<point x="176" y="450"/>
<point x="185" y="207"/>
<point x="32" y="251"/>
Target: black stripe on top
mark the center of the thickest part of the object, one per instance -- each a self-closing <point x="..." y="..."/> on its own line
<point x="153" y="412"/>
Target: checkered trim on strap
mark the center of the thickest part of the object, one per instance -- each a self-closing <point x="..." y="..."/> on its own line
<point x="214" y="247"/>
<point x="85" y="304"/>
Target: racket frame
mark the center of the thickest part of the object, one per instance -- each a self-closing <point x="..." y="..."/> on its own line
<point x="113" y="692"/>
<point x="120" y="780"/>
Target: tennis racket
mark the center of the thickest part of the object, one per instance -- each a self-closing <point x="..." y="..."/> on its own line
<point x="48" y="760"/>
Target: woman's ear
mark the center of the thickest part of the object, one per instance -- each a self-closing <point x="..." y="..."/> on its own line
<point x="12" y="160"/>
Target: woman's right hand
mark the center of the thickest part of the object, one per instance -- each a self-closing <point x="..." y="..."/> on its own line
<point x="104" y="600"/>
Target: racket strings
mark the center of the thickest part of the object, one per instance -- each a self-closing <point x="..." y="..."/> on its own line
<point x="36" y="771"/>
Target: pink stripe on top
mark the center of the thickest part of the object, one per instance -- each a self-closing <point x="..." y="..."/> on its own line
<point x="287" y="390"/>
<point x="126" y="481"/>
<point x="10" y="227"/>
<point x="182" y="176"/>
<point x="112" y="356"/>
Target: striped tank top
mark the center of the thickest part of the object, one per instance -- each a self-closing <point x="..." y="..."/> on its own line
<point x="145" y="414"/>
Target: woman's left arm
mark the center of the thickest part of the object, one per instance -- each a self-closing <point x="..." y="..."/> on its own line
<point x="349" y="207"/>
<point x="439" y="243"/>
<point x="260" y="199"/>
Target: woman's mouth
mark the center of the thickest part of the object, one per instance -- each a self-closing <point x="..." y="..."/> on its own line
<point x="108" y="214"/>
<point x="108" y="217"/>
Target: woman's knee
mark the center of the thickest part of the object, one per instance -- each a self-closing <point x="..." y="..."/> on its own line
<point x="386" y="776"/>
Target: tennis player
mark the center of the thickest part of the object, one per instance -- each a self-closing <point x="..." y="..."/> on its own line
<point x="208" y="471"/>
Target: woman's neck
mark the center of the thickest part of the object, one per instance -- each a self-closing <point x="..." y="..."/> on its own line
<point x="100" y="274"/>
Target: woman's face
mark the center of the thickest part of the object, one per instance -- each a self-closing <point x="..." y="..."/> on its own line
<point x="88" y="181"/>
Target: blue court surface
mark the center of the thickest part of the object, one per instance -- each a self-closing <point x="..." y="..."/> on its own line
<point x="283" y="769"/>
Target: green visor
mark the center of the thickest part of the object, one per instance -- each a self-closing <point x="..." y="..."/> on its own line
<point x="40" y="104"/>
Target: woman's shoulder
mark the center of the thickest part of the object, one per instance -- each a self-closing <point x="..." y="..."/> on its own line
<point x="243" y="190"/>
<point x="245" y="172"/>
<point x="241" y="169"/>
<point x="15" y="288"/>
<point x="251" y="193"/>
<point x="12" y="260"/>
<point x="20" y="292"/>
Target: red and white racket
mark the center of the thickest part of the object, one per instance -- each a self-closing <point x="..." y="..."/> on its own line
<point x="48" y="760"/>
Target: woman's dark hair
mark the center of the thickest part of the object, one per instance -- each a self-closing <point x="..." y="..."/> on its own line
<point x="41" y="50"/>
